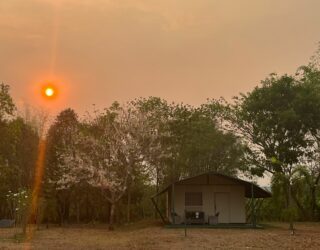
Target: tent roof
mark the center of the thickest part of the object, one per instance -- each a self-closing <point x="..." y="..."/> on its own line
<point x="210" y="178"/>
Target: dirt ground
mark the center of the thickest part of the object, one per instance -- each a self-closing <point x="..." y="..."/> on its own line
<point x="151" y="235"/>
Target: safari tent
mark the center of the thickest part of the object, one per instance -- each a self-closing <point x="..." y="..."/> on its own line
<point x="210" y="198"/>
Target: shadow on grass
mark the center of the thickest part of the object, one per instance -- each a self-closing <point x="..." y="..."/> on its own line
<point x="270" y="225"/>
<point x="102" y="226"/>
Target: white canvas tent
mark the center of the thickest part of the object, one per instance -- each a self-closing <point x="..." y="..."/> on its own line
<point x="210" y="195"/>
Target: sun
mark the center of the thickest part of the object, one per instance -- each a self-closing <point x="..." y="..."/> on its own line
<point x="49" y="91"/>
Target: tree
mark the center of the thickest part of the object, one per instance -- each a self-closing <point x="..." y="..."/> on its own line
<point x="275" y="121"/>
<point x="7" y="106"/>
<point x="107" y="151"/>
<point x="199" y="145"/>
<point x="61" y="140"/>
<point x="158" y="151"/>
<point x="307" y="176"/>
<point x="18" y="153"/>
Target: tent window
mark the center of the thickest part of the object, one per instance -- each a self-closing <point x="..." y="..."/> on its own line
<point x="193" y="199"/>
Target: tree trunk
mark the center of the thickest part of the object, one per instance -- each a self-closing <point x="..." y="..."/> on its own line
<point x="87" y="206"/>
<point x="67" y="211"/>
<point x="25" y="218"/>
<point x="38" y="216"/>
<point x="78" y="212"/>
<point x="129" y="204"/>
<point x="291" y="228"/>
<point x="314" y="198"/>
<point x="299" y="205"/>
<point x="60" y="211"/>
<point x="157" y="190"/>
<point x="111" y="220"/>
<point x="143" y="213"/>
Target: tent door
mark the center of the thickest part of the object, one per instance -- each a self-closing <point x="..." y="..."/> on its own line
<point x="222" y="206"/>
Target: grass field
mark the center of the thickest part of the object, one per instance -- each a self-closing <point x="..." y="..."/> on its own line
<point x="152" y="235"/>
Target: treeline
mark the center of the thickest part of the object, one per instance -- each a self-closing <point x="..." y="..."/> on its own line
<point x="105" y="166"/>
<point x="109" y="164"/>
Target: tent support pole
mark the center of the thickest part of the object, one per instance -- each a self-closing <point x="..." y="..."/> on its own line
<point x="158" y="210"/>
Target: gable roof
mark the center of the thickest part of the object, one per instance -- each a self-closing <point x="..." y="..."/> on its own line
<point x="210" y="178"/>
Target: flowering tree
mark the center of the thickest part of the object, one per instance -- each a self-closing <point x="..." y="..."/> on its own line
<point x="157" y="112"/>
<point x="18" y="204"/>
<point x="121" y="135"/>
<point x="105" y="152"/>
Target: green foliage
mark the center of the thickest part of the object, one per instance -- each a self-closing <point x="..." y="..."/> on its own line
<point x="59" y="138"/>
<point x="273" y="121"/>
<point x="18" y="152"/>
<point x="289" y="214"/>
<point x="279" y="121"/>
<point x="199" y="146"/>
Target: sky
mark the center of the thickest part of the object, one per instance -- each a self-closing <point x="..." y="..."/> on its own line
<point x="99" y="51"/>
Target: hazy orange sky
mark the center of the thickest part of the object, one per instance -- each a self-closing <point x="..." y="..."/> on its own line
<point x="98" y="51"/>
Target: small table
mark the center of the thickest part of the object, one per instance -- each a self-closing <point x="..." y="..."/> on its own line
<point x="195" y="217"/>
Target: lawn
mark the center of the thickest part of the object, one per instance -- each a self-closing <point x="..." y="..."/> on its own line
<point x="151" y="235"/>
